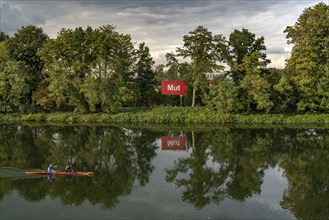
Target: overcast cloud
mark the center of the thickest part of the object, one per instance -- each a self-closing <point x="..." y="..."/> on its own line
<point x="161" y="24"/>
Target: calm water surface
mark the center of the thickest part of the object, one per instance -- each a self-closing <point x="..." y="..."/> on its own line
<point x="165" y="173"/>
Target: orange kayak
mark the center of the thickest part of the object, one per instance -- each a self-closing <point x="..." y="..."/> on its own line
<point x="59" y="173"/>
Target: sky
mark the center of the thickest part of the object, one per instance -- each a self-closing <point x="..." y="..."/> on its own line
<point x="161" y="24"/>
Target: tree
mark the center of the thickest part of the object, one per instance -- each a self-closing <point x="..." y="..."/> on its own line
<point x="282" y="102"/>
<point x="87" y="70"/>
<point x="64" y="67"/>
<point x="204" y="50"/>
<point x="145" y="75"/>
<point x="23" y="47"/>
<point x="14" y="89"/>
<point x="109" y="80"/>
<point x="241" y="44"/>
<point x="256" y="87"/>
<point x="3" y="36"/>
<point x="307" y="68"/>
<point x="248" y="69"/>
<point x="223" y="97"/>
<point x="172" y="65"/>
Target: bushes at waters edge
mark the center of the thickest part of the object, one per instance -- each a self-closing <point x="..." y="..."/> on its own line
<point x="171" y="115"/>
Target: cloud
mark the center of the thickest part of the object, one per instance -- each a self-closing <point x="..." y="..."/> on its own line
<point x="14" y="17"/>
<point x="276" y="50"/>
<point x="161" y="24"/>
<point x="278" y="60"/>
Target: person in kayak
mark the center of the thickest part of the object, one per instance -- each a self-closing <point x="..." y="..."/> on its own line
<point x="68" y="167"/>
<point x="52" y="168"/>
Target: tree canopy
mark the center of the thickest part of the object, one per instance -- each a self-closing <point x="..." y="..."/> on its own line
<point x="307" y="68"/>
<point x="204" y="51"/>
<point x="100" y="70"/>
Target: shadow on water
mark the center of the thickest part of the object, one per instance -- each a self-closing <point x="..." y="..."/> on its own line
<point x="223" y="162"/>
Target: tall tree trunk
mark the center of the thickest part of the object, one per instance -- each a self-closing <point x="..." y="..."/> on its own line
<point x="193" y="96"/>
<point x="193" y="141"/>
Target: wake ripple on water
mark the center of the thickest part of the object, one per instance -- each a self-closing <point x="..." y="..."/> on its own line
<point x="15" y="173"/>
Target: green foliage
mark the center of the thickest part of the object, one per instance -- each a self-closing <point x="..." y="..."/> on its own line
<point x="34" y="117"/>
<point x="315" y="96"/>
<point x="223" y="97"/>
<point x="308" y="65"/>
<point x="173" y="66"/>
<point x="23" y="48"/>
<point x="3" y="36"/>
<point x="322" y="89"/>
<point x="248" y="63"/>
<point x="14" y="88"/>
<point x="204" y="50"/>
<point x="256" y="87"/>
<point x="172" y="115"/>
<point x="145" y="75"/>
<point x="283" y="102"/>
<point x="87" y="69"/>
<point x="99" y="70"/>
<point x="24" y="45"/>
<point x="242" y="44"/>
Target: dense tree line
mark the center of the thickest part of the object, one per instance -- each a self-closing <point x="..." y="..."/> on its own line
<point x="81" y="70"/>
<point x="100" y="70"/>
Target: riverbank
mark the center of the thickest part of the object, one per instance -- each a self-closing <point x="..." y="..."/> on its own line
<point x="170" y="115"/>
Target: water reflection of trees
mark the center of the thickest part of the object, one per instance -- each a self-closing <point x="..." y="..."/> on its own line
<point x="241" y="160"/>
<point x="201" y="183"/>
<point x="240" y="157"/>
<point x="308" y="175"/>
<point x="223" y="163"/>
<point x="119" y="158"/>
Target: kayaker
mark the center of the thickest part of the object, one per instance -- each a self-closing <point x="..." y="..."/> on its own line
<point x="68" y="168"/>
<point x="51" y="168"/>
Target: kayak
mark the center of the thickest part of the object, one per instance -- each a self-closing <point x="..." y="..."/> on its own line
<point x="59" y="173"/>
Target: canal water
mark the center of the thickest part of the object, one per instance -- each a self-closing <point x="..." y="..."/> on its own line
<point x="155" y="172"/>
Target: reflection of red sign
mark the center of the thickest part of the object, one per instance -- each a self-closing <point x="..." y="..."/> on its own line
<point x="173" y="87"/>
<point x="173" y="143"/>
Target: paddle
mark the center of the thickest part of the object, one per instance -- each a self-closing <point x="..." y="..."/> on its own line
<point x="56" y="166"/>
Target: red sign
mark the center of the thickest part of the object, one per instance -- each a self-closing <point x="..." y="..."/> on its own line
<point x="173" y="87"/>
<point x="173" y="143"/>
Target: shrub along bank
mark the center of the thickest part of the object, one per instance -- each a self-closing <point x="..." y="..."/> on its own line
<point x="171" y="115"/>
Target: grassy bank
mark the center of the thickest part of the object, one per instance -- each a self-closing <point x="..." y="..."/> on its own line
<point x="171" y="115"/>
